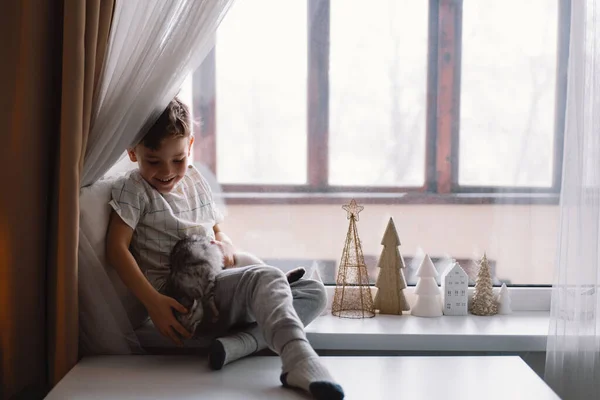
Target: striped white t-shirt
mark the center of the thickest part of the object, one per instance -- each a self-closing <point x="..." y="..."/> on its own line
<point x="160" y="220"/>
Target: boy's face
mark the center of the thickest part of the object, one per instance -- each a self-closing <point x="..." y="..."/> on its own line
<point x="164" y="167"/>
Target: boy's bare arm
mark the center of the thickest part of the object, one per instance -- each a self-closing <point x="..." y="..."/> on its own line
<point x="158" y="305"/>
<point x="118" y="255"/>
<point x="226" y="246"/>
<point x="221" y="236"/>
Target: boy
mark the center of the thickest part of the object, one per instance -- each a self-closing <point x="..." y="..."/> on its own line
<point x="163" y="201"/>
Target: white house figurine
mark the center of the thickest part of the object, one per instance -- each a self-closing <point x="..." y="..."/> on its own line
<point x="455" y="284"/>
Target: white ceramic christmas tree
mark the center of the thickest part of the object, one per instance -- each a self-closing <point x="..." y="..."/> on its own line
<point x="316" y="275"/>
<point x="390" y="281"/>
<point x="503" y="300"/>
<point x="428" y="302"/>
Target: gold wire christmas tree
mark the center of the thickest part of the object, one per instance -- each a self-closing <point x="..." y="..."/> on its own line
<point x="484" y="302"/>
<point x="352" y="298"/>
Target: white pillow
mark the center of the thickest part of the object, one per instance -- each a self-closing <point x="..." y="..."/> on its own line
<point x="94" y="215"/>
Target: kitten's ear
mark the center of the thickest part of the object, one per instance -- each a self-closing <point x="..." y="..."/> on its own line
<point x="180" y="254"/>
<point x="295" y="275"/>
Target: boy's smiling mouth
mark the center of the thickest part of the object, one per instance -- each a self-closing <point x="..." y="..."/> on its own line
<point x="164" y="184"/>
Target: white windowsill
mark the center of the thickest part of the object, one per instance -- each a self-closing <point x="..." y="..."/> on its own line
<point x="526" y="329"/>
<point x="521" y="331"/>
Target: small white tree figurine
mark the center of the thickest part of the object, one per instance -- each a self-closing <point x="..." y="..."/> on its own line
<point x="484" y="302"/>
<point x="503" y="301"/>
<point x="316" y="275"/>
<point x="390" y="281"/>
<point x="428" y="302"/>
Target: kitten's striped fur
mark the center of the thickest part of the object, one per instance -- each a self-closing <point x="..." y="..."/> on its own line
<point x="195" y="263"/>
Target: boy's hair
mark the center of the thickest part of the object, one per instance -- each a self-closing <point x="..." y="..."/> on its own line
<point x="175" y="121"/>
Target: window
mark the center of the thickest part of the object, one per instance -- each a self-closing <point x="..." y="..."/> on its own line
<point x="517" y="65"/>
<point x="444" y="114"/>
<point x="377" y="82"/>
<point x="267" y="96"/>
<point x="401" y="96"/>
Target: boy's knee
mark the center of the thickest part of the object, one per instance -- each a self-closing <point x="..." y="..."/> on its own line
<point x="267" y="272"/>
<point x="311" y="290"/>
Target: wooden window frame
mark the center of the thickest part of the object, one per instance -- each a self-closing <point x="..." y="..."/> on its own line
<point x="442" y="123"/>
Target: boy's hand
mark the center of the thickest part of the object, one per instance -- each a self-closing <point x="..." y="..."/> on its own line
<point x="227" y="250"/>
<point x="161" y="313"/>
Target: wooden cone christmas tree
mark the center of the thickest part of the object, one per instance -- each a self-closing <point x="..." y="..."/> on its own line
<point x="352" y="297"/>
<point x="390" y="281"/>
<point x="429" y="303"/>
<point x="484" y="302"/>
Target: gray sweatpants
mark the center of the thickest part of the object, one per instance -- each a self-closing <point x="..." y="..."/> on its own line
<point x="258" y="299"/>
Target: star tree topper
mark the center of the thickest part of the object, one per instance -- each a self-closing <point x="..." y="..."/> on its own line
<point x="353" y="209"/>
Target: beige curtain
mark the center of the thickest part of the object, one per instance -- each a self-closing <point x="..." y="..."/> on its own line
<point x="52" y="53"/>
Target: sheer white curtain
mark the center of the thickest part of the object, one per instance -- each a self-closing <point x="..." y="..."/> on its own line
<point x="154" y="45"/>
<point x="573" y="353"/>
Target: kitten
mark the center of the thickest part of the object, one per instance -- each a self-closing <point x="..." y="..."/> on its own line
<point x="195" y="263"/>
